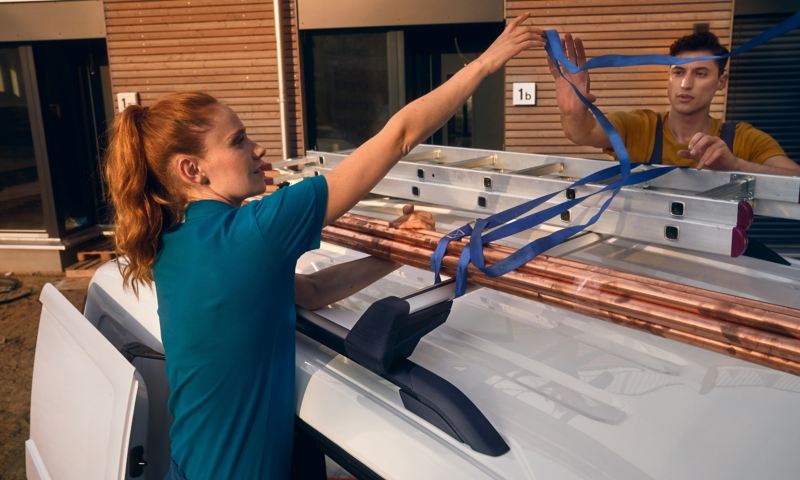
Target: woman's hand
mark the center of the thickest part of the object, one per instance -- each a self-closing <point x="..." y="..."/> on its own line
<point x="515" y="38"/>
<point x="413" y="220"/>
<point x="363" y="169"/>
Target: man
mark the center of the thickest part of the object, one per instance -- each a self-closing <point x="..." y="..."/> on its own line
<point x="684" y="135"/>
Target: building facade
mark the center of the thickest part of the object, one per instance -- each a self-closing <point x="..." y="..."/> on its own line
<point x="306" y="74"/>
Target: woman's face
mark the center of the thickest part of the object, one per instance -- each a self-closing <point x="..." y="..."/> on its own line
<point x="232" y="163"/>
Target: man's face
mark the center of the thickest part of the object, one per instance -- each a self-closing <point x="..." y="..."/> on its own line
<point x="692" y="85"/>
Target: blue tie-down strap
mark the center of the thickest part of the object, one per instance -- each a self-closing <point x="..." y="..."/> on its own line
<point x="554" y="46"/>
<point x="506" y="216"/>
<point x="510" y="214"/>
<point x="474" y="253"/>
<point x="441" y="249"/>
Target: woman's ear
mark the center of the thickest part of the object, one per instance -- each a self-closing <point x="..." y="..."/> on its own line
<point x="189" y="171"/>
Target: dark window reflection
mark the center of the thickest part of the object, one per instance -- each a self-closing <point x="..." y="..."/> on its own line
<point x="349" y="88"/>
<point x="20" y="193"/>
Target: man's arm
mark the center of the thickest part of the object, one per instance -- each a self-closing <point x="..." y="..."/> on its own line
<point x="777" y="165"/>
<point x="577" y="121"/>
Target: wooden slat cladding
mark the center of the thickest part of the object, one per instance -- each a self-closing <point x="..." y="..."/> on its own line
<point x="606" y="26"/>
<point x="224" y="47"/>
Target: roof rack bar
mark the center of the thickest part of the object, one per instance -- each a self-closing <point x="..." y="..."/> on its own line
<point x="382" y="339"/>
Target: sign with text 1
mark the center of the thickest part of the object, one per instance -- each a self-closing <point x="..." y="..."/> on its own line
<point x="524" y="93"/>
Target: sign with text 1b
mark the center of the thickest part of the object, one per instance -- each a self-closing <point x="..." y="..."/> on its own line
<point x="524" y="93"/>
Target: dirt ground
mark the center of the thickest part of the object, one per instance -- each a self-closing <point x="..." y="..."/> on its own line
<point x="19" y="321"/>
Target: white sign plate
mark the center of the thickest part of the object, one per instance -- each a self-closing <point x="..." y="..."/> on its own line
<point x="524" y="93"/>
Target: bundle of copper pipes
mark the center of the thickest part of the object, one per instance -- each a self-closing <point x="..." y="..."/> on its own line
<point x="756" y="331"/>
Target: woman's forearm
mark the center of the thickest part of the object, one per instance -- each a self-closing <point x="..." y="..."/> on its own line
<point x="361" y="170"/>
<point x="332" y="284"/>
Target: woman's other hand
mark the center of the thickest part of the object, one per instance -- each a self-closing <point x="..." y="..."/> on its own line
<point x="411" y="220"/>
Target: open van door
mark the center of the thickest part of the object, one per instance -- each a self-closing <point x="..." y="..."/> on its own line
<point x="82" y="401"/>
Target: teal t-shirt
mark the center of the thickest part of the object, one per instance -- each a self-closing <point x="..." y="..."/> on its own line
<point x="225" y="285"/>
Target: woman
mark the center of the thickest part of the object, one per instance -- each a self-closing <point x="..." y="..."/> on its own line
<point x="224" y="273"/>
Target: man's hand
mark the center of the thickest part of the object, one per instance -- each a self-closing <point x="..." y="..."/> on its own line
<point x="577" y="121"/>
<point x="568" y="102"/>
<point x="710" y="152"/>
<point x="413" y="220"/>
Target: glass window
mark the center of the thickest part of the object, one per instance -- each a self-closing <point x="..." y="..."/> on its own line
<point x="73" y="115"/>
<point x="20" y="192"/>
<point x="356" y="79"/>
<point x="349" y="88"/>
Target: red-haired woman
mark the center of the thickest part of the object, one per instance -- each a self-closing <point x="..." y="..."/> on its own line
<point x="224" y="274"/>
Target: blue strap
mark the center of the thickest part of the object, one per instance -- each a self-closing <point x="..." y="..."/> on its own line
<point x="554" y="41"/>
<point x="507" y="215"/>
<point x="531" y="250"/>
<point x="510" y="214"/>
<point x="441" y="248"/>
<point x="474" y="252"/>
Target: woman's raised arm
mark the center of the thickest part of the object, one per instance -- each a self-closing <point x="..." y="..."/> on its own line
<point x="363" y="169"/>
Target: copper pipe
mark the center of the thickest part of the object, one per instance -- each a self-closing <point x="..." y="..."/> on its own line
<point x="620" y="309"/>
<point x="747" y="337"/>
<point x="380" y="227"/>
<point x="760" y="315"/>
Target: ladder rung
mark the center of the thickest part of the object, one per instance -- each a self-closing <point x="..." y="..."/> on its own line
<point x="541" y="170"/>
<point x="474" y="162"/>
<point x="738" y="188"/>
<point x="420" y="156"/>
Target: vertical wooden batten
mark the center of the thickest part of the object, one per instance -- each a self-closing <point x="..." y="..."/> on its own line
<point x="607" y="26"/>
<point x="227" y="48"/>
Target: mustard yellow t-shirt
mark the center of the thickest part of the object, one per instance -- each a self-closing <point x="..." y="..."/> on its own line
<point x="638" y="129"/>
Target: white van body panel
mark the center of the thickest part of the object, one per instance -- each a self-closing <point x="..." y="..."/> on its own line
<point x="575" y="397"/>
<point x="82" y="398"/>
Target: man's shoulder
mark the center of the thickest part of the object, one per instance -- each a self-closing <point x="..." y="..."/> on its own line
<point x="748" y="132"/>
<point x="746" y="127"/>
<point x="635" y="116"/>
<point x="755" y="145"/>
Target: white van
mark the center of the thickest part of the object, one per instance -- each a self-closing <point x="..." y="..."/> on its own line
<point x="490" y="386"/>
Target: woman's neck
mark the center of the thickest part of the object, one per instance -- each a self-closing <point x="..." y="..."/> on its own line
<point x="209" y="194"/>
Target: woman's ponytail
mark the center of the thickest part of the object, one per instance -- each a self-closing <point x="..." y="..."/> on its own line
<point x="145" y="195"/>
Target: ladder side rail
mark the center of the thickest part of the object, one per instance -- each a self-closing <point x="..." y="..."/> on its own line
<point x="630" y="199"/>
<point x="707" y="237"/>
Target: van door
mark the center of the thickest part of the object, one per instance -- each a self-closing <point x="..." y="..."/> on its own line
<point x="82" y="400"/>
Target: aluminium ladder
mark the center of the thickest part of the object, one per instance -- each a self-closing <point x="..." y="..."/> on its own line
<point x="701" y="210"/>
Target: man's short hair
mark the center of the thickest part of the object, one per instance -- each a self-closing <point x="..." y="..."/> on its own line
<point x="700" y="41"/>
